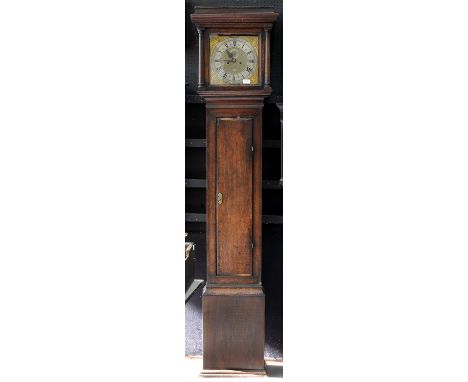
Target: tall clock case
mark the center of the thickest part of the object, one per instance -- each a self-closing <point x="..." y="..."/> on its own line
<point x="234" y="42"/>
<point x="272" y="200"/>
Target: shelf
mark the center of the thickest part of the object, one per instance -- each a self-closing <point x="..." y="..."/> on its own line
<point x="201" y="183"/>
<point x="195" y="143"/>
<point x="195" y="183"/>
<point x="201" y="218"/>
<point x="272" y="185"/>
<point x="193" y="98"/>
<point x="195" y="218"/>
<point x="272" y="144"/>
<point x="272" y="219"/>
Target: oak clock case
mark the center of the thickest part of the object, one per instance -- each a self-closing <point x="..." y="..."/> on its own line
<point x="234" y="80"/>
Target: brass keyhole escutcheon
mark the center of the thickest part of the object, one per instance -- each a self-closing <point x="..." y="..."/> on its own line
<point x="220" y="198"/>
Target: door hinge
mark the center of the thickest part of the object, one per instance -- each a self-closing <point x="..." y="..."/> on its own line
<point x="252" y="245"/>
<point x="252" y="149"/>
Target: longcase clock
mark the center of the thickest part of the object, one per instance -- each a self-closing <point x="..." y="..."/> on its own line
<point x="234" y="80"/>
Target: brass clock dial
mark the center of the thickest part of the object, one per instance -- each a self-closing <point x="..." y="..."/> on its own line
<point x="233" y="60"/>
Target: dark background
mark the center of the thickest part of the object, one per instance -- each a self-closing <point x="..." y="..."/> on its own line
<point x="195" y="192"/>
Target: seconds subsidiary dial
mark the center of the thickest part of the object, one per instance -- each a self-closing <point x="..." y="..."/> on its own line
<point x="234" y="60"/>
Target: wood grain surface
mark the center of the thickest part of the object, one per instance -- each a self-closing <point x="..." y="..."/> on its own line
<point x="233" y="332"/>
<point x="234" y="183"/>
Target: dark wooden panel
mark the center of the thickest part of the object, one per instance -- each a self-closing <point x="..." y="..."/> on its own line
<point x="271" y="123"/>
<point x="233" y="332"/>
<point x="195" y="166"/>
<point x="234" y="181"/>
<point x="272" y="202"/>
<point x="195" y="126"/>
<point x="271" y="168"/>
<point x="192" y="227"/>
<point x="195" y="200"/>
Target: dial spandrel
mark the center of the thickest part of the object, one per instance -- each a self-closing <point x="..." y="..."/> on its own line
<point x="233" y="60"/>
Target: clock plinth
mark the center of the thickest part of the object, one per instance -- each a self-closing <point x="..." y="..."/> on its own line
<point x="233" y="299"/>
<point x="233" y="329"/>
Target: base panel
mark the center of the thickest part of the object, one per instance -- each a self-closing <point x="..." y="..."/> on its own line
<point x="233" y="334"/>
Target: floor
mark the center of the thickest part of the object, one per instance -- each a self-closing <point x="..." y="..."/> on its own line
<point x="193" y="366"/>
